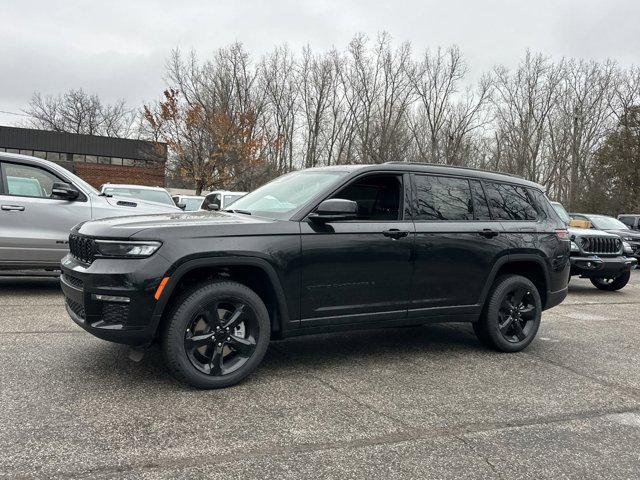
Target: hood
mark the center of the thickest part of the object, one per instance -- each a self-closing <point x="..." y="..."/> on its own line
<point x="588" y="232"/>
<point x="144" y="205"/>
<point x="185" y="224"/>
<point x="625" y="234"/>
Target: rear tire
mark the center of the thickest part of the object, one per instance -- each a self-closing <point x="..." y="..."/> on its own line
<point x="216" y="335"/>
<point x="511" y="316"/>
<point x="611" y="284"/>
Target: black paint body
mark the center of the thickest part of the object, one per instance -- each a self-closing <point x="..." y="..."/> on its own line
<point x="323" y="276"/>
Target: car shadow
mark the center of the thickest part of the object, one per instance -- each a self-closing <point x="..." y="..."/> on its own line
<point x="110" y="364"/>
<point x="29" y="284"/>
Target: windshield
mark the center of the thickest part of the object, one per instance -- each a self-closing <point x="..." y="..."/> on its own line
<point x="159" y="196"/>
<point x="607" y="223"/>
<point x="562" y="213"/>
<point x="192" y="203"/>
<point x="285" y="194"/>
<point x="229" y="199"/>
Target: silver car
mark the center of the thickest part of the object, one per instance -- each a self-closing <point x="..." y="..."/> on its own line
<point x="41" y="201"/>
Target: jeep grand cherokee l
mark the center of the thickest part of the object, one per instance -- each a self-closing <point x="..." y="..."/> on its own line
<point x="321" y="250"/>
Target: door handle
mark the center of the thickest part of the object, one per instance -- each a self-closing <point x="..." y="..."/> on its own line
<point x="488" y="233"/>
<point x="12" y="208"/>
<point x="395" y="233"/>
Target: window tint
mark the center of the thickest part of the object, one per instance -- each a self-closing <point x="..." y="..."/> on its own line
<point x="378" y="197"/>
<point x="628" y="221"/>
<point x="443" y="198"/>
<point x="480" y="201"/>
<point x="27" y="181"/>
<point x="544" y="206"/>
<point x="509" y="202"/>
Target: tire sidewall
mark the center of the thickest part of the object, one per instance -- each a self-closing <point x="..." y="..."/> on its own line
<point x="618" y="283"/>
<point x="182" y="314"/>
<point x="491" y="317"/>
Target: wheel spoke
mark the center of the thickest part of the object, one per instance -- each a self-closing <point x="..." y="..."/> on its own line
<point x="517" y="328"/>
<point x="518" y="295"/>
<point x="528" y="312"/>
<point x="505" y="325"/>
<point x="195" y="341"/>
<point x="236" y="317"/>
<point x="215" y="364"/>
<point x="211" y="317"/>
<point x="244" y="346"/>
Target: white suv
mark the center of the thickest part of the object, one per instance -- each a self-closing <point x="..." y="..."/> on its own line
<point x="41" y="201"/>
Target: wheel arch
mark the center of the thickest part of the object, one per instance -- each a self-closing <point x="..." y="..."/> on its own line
<point x="528" y="265"/>
<point x="255" y="273"/>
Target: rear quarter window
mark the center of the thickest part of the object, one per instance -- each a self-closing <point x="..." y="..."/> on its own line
<point x="509" y="202"/>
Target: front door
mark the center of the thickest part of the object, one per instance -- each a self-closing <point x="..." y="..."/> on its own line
<point x="359" y="270"/>
<point x="457" y="244"/>
<point x="35" y="224"/>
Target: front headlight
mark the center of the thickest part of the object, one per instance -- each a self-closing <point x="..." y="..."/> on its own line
<point x="123" y="249"/>
<point x="626" y="247"/>
<point x="574" y="247"/>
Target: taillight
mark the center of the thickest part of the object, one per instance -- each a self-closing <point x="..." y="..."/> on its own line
<point x="562" y="233"/>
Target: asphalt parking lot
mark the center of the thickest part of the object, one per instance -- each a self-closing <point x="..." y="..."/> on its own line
<point x="424" y="402"/>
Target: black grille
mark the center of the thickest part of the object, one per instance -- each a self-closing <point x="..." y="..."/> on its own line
<point x="115" y="312"/>
<point x="76" y="308"/>
<point x="601" y="245"/>
<point x="82" y="248"/>
<point x="76" y="282"/>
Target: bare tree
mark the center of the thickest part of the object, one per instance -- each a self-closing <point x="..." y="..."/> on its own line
<point x="76" y="111"/>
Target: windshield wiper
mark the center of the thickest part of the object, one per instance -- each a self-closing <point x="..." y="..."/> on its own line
<point x="231" y="210"/>
<point x="108" y="195"/>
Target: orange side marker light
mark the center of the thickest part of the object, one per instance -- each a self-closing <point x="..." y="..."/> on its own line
<point x="163" y="283"/>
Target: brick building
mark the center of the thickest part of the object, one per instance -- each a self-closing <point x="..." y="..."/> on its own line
<point x="95" y="159"/>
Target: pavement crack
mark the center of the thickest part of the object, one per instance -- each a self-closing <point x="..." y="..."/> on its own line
<point x="395" y="438"/>
<point x="630" y="391"/>
<point x="342" y="393"/>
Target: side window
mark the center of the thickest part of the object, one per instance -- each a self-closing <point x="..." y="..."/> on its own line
<point x="628" y="221"/>
<point x="443" y="198"/>
<point x="480" y="204"/>
<point x="28" y="181"/>
<point x="379" y="197"/>
<point x="509" y="202"/>
<point x="543" y="205"/>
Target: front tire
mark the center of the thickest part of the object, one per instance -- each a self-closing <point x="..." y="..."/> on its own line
<point x="216" y="335"/>
<point x="611" y="284"/>
<point x="512" y="313"/>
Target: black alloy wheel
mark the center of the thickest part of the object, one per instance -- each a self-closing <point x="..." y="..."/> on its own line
<point x="216" y="334"/>
<point x="221" y="337"/>
<point x="516" y="314"/>
<point x="511" y="316"/>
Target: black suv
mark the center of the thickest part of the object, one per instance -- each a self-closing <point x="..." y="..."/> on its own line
<point x="319" y="250"/>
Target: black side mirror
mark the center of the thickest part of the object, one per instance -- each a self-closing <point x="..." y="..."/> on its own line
<point x="181" y="205"/>
<point x="64" y="190"/>
<point x="335" y="209"/>
<point x="213" y="206"/>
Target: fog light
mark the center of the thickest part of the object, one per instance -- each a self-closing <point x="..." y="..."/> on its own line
<point x="110" y="298"/>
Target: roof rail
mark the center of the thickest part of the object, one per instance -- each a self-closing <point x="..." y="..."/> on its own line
<point x="454" y="166"/>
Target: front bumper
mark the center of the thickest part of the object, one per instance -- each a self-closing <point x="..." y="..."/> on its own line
<point x="132" y="322"/>
<point x="593" y="266"/>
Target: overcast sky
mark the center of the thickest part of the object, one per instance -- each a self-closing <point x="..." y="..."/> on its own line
<point x="119" y="50"/>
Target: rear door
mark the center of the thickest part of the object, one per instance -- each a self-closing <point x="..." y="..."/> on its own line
<point x="35" y="225"/>
<point x="456" y="245"/>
